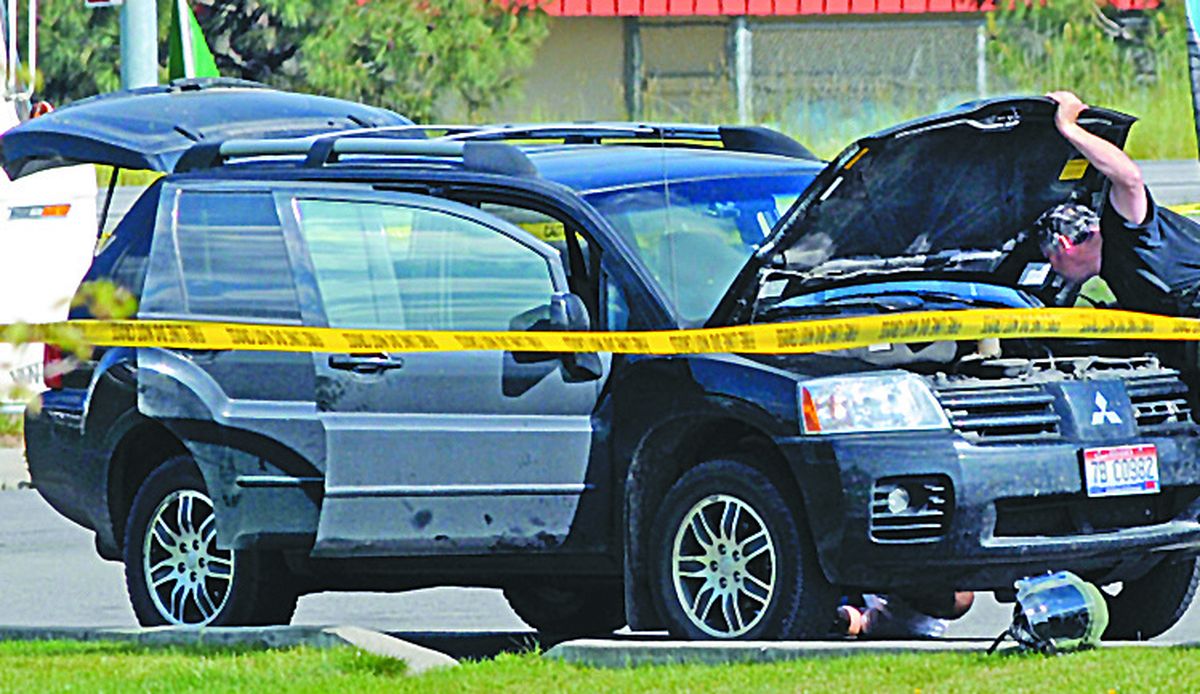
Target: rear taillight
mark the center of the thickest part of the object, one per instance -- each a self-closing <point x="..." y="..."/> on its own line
<point x="54" y="364"/>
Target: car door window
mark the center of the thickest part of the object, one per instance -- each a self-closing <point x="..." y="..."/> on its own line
<point x="380" y="265"/>
<point x="233" y="256"/>
<point x="577" y="254"/>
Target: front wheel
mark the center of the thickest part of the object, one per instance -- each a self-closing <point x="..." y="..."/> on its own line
<point x="734" y="560"/>
<point x="1153" y="603"/>
<point x="175" y="572"/>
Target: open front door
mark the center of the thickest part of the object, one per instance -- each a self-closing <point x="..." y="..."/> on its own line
<point x="450" y="452"/>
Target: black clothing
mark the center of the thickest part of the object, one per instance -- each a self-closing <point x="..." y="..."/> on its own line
<point x="1153" y="267"/>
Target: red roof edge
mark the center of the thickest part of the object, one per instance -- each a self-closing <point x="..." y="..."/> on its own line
<point x="773" y="8"/>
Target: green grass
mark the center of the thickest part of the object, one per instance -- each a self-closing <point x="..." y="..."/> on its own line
<point x="11" y="425"/>
<point x="127" y="177"/>
<point x="85" y="667"/>
<point x="12" y="428"/>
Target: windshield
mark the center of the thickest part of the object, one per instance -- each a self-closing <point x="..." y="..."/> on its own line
<point x="694" y="236"/>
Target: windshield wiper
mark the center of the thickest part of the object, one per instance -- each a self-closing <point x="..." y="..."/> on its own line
<point x="892" y="301"/>
<point x="838" y="306"/>
<point x="938" y="296"/>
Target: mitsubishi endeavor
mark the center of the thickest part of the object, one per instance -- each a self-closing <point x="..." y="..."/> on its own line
<point x="718" y="496"/>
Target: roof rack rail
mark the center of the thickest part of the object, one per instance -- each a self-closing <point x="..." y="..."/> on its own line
<point x="483" y="157"/>
<point x="742" y="138"/>
<point x="486" y="148"/>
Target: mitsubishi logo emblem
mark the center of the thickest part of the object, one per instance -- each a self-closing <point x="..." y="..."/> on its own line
<point x="1103" y="415"/>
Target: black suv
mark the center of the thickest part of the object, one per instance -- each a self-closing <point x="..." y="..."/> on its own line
<point x="715" y="495"/>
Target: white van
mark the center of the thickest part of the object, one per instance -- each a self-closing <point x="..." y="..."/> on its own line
<point x="47" y="230"/>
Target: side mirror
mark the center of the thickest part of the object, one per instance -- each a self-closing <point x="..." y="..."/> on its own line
<point x="569" y="313"/>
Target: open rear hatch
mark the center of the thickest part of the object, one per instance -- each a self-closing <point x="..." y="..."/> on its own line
<point x="150" y="128"/>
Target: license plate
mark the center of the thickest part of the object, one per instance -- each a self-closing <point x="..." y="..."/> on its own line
<point x="1121" y="470"/>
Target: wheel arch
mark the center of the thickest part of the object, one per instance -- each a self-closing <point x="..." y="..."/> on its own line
<point x="143" y="446"/>
<point x="181" y="408"/>
<point x="666" y="453"/>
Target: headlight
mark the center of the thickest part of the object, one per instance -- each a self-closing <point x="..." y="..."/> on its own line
<point x="870" y="402"/>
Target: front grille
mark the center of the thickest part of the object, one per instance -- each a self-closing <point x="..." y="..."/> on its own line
<point x="1159" y="402"/>
<point x="925" y="519"/>
<point x="986" y="413"/>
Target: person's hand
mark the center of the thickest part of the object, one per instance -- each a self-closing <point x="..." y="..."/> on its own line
<point x="1069" y="108"/>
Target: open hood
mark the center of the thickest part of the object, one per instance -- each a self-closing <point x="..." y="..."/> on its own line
<point x="969" y="179"/>
<point x="150" y="128"/>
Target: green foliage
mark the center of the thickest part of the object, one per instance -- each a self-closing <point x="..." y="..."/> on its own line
<point x="104" y="301"/>
<point x="408" y="56"/>
<point x="259" y="39"/>
<point x="414" y="57"/>
<point x="1137" y="66"/>
<point x="11" y="427"/>
<point x="78" y="51"/>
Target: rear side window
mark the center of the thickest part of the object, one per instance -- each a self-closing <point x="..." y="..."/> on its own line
<point x="233" y="256"/>
<point x="391" y="266"/>
<point x="124" y="255"/>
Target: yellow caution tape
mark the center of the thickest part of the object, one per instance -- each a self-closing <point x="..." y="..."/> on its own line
<point x="773" y="338"/>
<point x="1192" y="208"/>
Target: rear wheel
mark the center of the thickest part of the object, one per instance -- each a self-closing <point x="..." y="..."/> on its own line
<point x="733" y="559"/>
<point x="1153" y="603"/>
<point x="175" y="572"/>
<point x="569" y="607"/>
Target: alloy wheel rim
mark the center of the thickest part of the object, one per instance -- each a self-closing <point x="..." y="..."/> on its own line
<point x="723" y="566"/>
<point x="188" y="577"/>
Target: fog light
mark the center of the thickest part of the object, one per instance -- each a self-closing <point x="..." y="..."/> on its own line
<point x="898" y="500"/>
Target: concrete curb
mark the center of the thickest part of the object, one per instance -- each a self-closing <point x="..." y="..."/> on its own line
<point x="418" y="658"/>
<point x="621" y="654"/>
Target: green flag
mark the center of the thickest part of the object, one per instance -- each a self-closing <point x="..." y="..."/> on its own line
<point x="188" y="55"/>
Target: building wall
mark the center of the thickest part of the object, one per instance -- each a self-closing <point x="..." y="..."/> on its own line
<point x="577" y="74"/>
<point x="826" y="80"/>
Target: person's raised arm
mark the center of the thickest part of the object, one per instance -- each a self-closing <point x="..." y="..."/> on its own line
<point x="1128" y="190"/>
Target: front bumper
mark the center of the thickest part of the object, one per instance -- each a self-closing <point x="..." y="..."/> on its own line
<point x="1010" y="511"/>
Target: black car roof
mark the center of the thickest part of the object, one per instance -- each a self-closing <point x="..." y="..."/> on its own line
<point x="588" y="168"/>
<point x="586" y="157"/>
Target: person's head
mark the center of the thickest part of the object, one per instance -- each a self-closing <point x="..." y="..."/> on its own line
<point x="1069" y="236"/>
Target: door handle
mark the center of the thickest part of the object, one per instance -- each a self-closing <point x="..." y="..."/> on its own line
<point x="365" y="363"/>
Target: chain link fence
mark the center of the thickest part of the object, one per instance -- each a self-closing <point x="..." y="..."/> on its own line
<point x="685" y="73"/>
<point x="825" y="81"/>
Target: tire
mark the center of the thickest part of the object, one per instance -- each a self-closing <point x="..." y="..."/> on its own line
<point x="779" y="592"/>
<point x="171" y="537"/>
<point x="1153" y="603"/>
<point x="569" y="607"/>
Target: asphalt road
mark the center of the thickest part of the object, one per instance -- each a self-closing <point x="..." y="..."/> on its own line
<point x="1173" y="182"/>
<point x="50" y="576"/>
